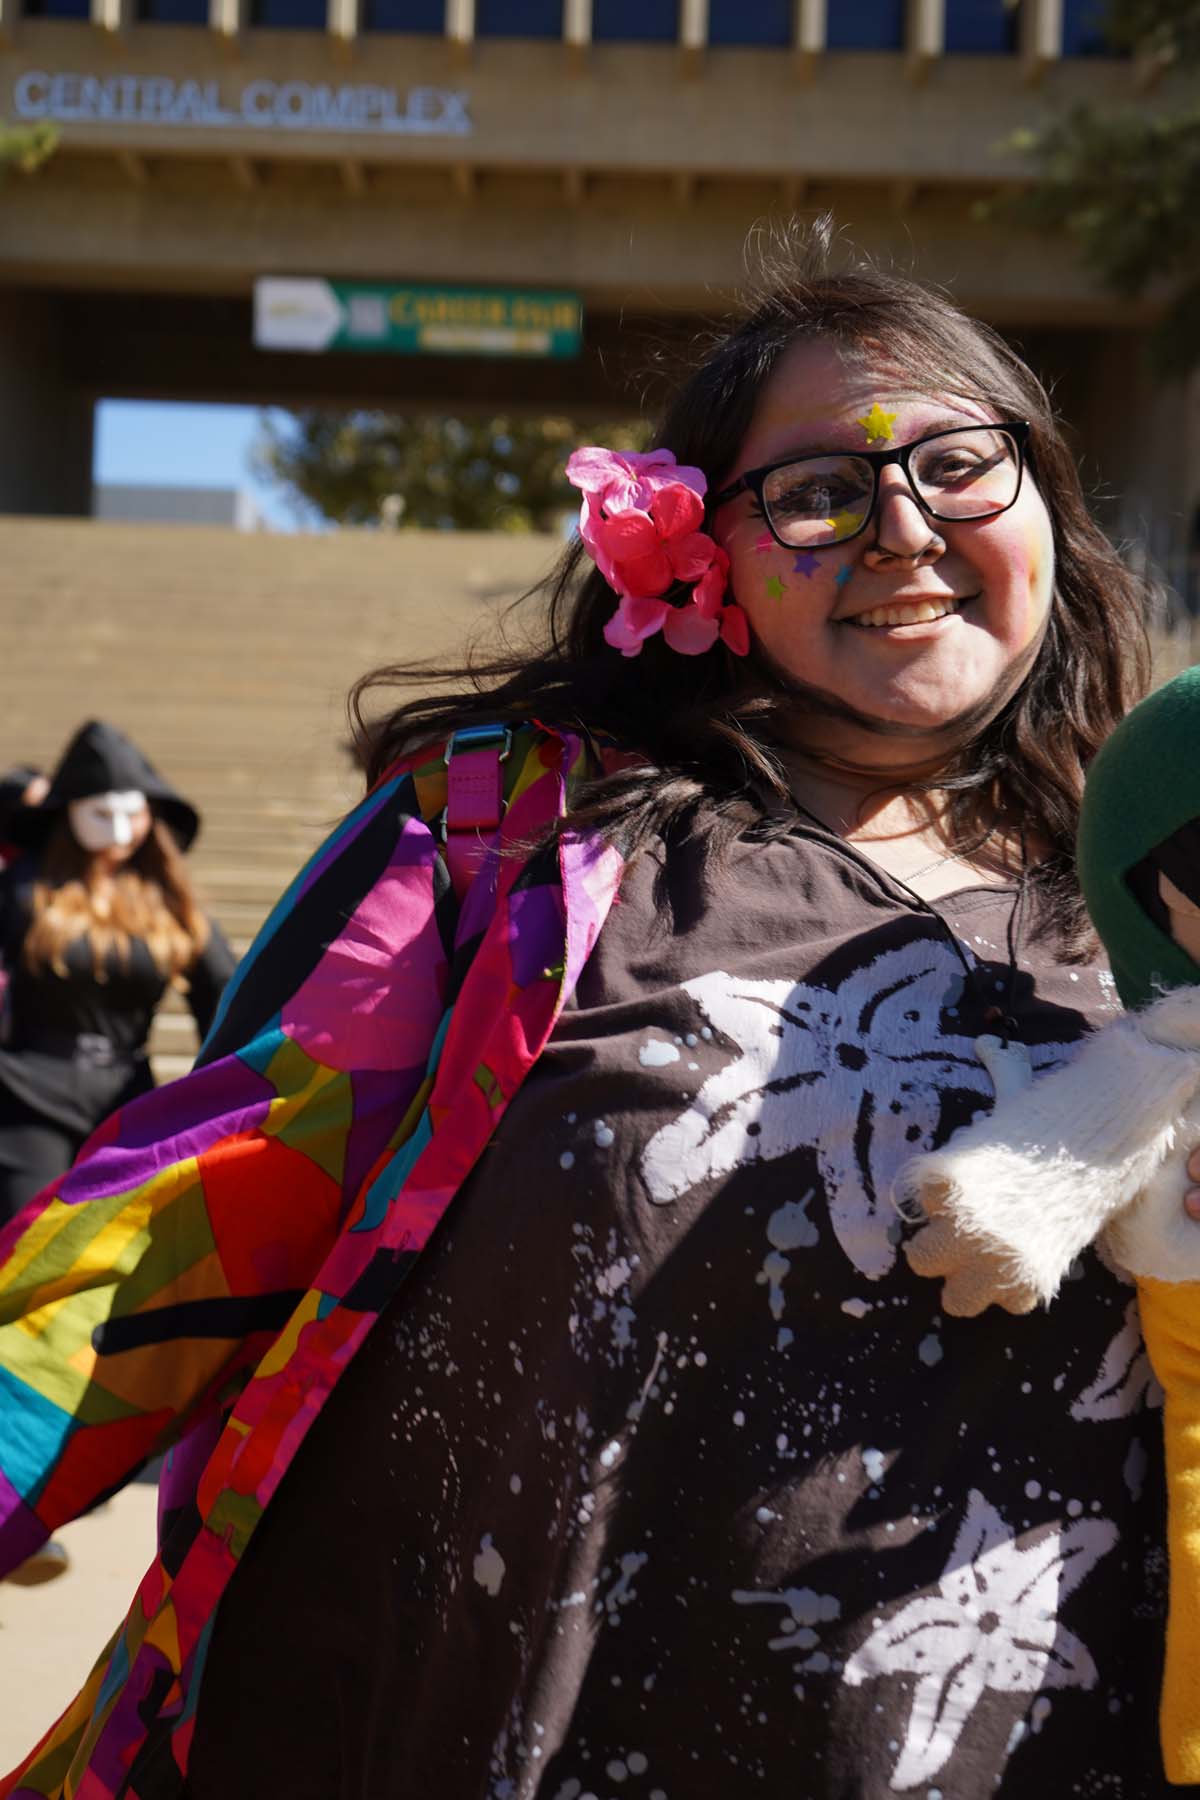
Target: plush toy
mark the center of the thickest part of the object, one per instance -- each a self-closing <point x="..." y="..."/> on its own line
<point x="1098" y="1150"/>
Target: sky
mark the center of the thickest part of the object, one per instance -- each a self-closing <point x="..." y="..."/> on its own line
<point x="200" y="446"/>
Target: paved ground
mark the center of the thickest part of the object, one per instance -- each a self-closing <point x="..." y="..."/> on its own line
<point x="50" y="1636"/>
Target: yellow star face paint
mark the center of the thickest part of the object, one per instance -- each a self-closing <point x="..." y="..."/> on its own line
<point x="877" y="424"/>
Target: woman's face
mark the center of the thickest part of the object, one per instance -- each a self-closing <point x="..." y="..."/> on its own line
<point x="111" y="827"/>
<point x="889" y="693"/>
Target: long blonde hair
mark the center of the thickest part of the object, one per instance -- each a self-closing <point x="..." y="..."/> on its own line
<point x="151" y="899"/>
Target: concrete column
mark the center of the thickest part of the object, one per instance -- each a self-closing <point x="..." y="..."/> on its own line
<point x="113" y="15"/>
<point x="577" y="23"/>
<point x="460" y="21"/>
<point x="808" y="30"/>
<point x="925" y="30"/>
<point x="1041" y="33"/>
<point x="228" y="18"/>
<point x="46" y="423"/>
<point x="344" y="19"/>
<point x="693" y="24"/>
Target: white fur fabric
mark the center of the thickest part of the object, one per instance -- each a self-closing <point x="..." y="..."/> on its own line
<point x="1099" y="1146"/>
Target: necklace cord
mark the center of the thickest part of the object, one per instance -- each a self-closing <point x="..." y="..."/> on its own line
<point x="993" y="1014"/>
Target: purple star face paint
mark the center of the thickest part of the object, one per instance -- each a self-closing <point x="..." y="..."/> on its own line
<point x="807" y="563"/>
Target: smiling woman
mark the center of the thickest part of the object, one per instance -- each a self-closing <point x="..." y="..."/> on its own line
<point x="561" y="1417"/>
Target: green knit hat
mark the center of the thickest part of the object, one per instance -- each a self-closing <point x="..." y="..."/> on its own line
<point x="1143" y="785"/>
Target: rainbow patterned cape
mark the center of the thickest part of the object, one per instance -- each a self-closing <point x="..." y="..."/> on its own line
<point x="223" y="1245"/>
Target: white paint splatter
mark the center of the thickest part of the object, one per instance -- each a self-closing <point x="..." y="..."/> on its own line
<point x="488" y="1567"/>
<point x="604" y="1134"/>
<point x="790" y="1228"/>
<point x="874" y="1464"/>
<point x="622" y="1326"/>
<point x="621" y="1592"/>
<point x="567" y="1160"/>
<point x="654" y="1054"/>
<point x="614" y="1277"/>
<point x="930" y="1349"/>
<point x="858" y="1309"/>
<point x="774" y="1270"/>
<point x="805" y="1608"/>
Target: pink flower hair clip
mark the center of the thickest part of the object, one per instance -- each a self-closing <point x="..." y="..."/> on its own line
<point x="639" y="521"/>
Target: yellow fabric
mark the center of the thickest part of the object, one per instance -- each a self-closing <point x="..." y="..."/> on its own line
<point x="1171" y="1323"/>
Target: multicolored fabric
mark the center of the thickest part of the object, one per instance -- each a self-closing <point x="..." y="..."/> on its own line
<point x="223" y="1245"/>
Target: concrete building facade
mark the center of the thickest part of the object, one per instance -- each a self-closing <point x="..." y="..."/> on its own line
<point x="153" y="503"/>
<point x="617" y="149"/>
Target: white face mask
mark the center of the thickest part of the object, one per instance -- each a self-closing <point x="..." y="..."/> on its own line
<point x="108" y="821"/>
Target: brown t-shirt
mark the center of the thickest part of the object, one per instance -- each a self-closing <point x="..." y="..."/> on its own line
<point x="664" y="1477"/>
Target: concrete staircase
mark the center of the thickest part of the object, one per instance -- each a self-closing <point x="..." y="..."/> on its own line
<point x="227" y="657"/>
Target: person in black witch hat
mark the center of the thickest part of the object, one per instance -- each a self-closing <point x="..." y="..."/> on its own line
<point x="97" y="921"/>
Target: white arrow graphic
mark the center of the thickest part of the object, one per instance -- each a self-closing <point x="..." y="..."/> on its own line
<point x="295" y="313"/>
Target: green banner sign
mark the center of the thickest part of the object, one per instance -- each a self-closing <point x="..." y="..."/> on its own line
<point x="311" y="314"/>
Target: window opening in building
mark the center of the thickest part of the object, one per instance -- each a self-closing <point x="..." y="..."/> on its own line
<point x="766" y="22"/>
<point x="519" y="18"/>
<point x="289" y="15"/>
<point x="645" y="21"/>
<point x="173" y="12"/>
<point x="866" y="25"/>
<point x="980" y="27"/>
<point x="57" y="9"/>
<point x="1083" y="28"/>
<point x="417" y="16"/>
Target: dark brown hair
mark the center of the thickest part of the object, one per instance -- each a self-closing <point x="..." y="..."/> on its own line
<point x="706" y="725"/>
<point x="152" y="899"/>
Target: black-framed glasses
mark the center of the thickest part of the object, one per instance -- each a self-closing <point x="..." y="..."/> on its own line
<point x="811" y="502"/>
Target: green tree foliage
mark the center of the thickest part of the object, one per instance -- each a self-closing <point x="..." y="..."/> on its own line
<point x="1125" y="182"/>
<point x="494" y="473"/>
<point x="25" y="147"/>
<point x="1169" y="29"/>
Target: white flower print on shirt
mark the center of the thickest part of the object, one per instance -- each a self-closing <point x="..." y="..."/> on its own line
<point x="1124" y="1382"/>
<point x="991" y="1625"/>
<point x="857" y="1073"/>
